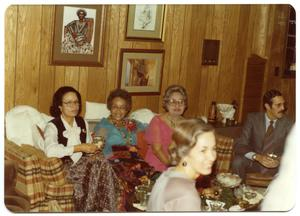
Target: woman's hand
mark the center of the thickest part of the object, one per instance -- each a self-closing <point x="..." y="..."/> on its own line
<point x="267" y="161"/>
<point x="86" y="148"/>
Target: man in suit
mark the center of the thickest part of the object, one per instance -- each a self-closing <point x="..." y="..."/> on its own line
<point x="261" y="144"/>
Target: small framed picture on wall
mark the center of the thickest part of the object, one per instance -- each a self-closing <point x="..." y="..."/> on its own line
<point x="141" y="71"/>
<point x="145" y="22"/>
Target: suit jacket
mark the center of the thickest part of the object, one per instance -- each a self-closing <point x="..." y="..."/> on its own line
<point x="253" y="133"/>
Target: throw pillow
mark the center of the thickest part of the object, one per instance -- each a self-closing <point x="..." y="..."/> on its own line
<point x="142" y="115"/>
<point x="19" y="128"/>
<point x="96" y="111"/>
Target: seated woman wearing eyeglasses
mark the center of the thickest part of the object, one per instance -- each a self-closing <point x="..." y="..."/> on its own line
<point x="161" y="127"/>
<point x="96" y="186"/>
<point x="120" y="146"/>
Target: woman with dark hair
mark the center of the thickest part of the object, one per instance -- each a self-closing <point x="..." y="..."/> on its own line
<point x="161" y="127"/>
<point x="96" y="186"/>
<point x="120" y="146"/>
<point x="118" y="129"/>
<point x="194" y="154"/>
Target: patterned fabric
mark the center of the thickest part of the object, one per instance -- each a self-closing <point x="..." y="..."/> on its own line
<point x="130" y="171"/>
<point x="52" y="171"/>
<point x="29" y="181"/>
<point x="39" y="178"/>
<point x="62" y="194"/>
<point x="96" y="186"/>
<point x="224" y="154"/>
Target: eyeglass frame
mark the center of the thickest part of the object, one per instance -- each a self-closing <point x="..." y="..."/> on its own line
<point x="71" y="103"/>
<point x="173" y="102"/>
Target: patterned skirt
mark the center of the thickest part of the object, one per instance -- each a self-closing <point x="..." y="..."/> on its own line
<point x="96" y="185"/>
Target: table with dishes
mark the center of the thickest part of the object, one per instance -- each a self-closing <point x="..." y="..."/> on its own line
<point x="228" y="194"/>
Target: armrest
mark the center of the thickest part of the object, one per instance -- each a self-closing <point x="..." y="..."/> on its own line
<point x="29" y="182"/>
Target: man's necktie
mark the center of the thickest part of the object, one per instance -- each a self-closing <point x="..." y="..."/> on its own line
<point x="270" y="129"/>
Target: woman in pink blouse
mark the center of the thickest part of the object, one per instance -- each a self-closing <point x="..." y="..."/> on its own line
<point x="158" y="134"/>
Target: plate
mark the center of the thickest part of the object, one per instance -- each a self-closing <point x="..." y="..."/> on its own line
<point x="252" y="197"/>
<point x="236" y="208"/>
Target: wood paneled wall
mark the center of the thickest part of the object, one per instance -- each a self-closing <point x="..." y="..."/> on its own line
<point x="242" y="30"/>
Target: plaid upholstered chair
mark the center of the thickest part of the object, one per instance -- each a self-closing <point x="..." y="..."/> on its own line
<point x="224" y="154"/>
<point x="39" y="179"/>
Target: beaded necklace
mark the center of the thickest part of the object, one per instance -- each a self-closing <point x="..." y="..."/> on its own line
<point x="119" y="125"/>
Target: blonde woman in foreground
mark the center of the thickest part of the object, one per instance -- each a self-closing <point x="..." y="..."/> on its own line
<point x="195" y="152"/>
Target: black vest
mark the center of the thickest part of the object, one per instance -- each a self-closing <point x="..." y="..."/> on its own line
<point x="61" y="128"/>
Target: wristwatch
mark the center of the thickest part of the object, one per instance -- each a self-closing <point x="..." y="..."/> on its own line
<point x="254" y="157"/>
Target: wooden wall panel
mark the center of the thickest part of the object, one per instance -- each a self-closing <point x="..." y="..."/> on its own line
<point x="241" y="54"/>
<point x="59" y="79"/>
<point x="176" y="48"/>
<point x="30" y="79"/>
<point x="83" y="85"/>
<point x="225" y="82"/>
<point x="28" y="55"/>
<point x="46" y="73"/>
<point x="10" y="55"/>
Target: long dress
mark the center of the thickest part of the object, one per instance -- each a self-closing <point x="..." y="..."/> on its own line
<point x="96" y="185"/>
<point x="130" y="168"/>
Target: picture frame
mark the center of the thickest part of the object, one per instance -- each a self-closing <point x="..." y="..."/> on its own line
<point x="141" y="71"/>
<point x="78" y="37"/>
<point x="145" y="22"/>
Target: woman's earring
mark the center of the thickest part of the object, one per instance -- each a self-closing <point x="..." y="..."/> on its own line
<point x="184" y="163"/>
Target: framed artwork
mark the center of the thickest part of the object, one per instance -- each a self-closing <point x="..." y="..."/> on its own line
<point x="145" y="21"/>
<point x="141" y="71"/>
<point x="78" y="35"/>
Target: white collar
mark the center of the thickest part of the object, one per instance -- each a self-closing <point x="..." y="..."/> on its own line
<point x="66" y="124"/>
<point x="268" y="120"/>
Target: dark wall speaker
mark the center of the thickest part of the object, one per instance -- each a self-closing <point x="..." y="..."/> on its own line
<point x="210" y="52"/>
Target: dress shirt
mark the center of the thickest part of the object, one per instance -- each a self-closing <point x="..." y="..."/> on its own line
<point x="72" y="133"/>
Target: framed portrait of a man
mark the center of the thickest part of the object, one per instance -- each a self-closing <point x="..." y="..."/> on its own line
<point x="78" y="35"/>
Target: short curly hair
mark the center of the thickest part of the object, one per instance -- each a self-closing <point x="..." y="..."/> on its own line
<point x="58" y="97"/>
<point x="121" y="93"/>
<point x="81" y="10"/>
<point x="269" y="95"/>
<point x="170" y="90"/>
<point x="185" y="137"/>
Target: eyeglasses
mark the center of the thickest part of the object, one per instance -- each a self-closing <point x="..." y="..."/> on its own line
<point x="71" y="103"/>
<point x="119" y="108"/>
<point x="173" y="102"/>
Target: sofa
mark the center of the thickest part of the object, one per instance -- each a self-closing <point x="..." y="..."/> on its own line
<point x="41" y="180"/>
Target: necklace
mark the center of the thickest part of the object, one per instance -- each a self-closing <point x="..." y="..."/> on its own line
<point x="172" y="121"/>
<point x="117" y="123"/>
<point x="123" y="130"/>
